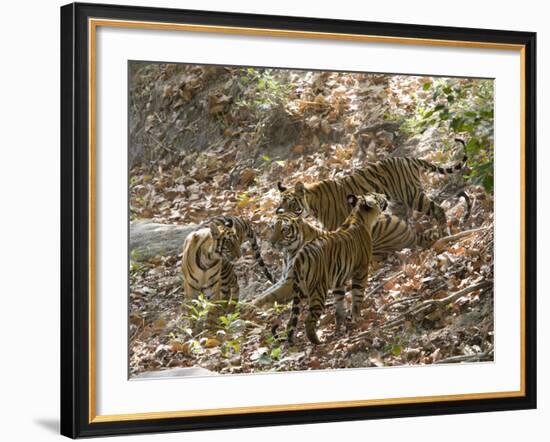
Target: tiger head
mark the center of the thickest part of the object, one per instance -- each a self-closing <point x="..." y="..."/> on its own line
<point x="292" y="201"/>
<point x="285" y="232"/>
<point x="225" y="242"/>
<point x="365" y="209"/>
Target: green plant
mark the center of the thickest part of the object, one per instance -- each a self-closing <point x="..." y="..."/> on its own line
<point x="228" y="321"/>
<point x="231" y="346"/>
<point x="135" y="265"/>
<point x="269" y="91"/>
<point x="462" y="108"/>
<point x="199" y="309"/>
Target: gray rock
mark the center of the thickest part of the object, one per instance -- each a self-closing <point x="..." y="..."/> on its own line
<point x="148" y="239"/>
<point x="175" y="373"/>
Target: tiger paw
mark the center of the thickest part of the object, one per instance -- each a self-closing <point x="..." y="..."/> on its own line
<point x="311" y="334"/>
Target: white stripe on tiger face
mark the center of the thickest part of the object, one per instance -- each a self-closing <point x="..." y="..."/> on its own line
<point x="292" y="201"/>
<point x="225" y="242"/>
<point x="285" y="235"/>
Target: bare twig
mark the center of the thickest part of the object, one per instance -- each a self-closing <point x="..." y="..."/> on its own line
<point x="467" y="358"/>
<point x="161" y="145"/>
<point x="384" y="282"/>
<point x="425" y="307"/>
<point x="411" y="298"/>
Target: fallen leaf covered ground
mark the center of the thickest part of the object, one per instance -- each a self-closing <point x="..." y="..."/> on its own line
<point x="207" y="140"/>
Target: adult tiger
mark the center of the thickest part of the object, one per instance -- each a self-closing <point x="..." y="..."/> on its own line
<point x="329" y="261"/>
<point x="208" y="255"/>
<point x="391" y="233"/>
<point x="397" y="178"/>
<point x="290" y="232"/>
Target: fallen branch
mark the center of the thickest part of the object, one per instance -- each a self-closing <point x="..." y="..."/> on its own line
<point x="466" y="358"/>
<point x="280" y="292"/>
<point x="384" y="282"/>
<point x="426" y="307"/>
<point x="410" y="298"/>
<point x="441" y="242"/>
<point x="162" y="146"/>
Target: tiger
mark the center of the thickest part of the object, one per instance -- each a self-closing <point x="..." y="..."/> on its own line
<point x="389" y="233"/>
<point x="245" y="231"/>
<point x="328" y="261"/>
<point x="208" y="256"/>
<point x="290" y="232"/>
<point x="398" y="178"/>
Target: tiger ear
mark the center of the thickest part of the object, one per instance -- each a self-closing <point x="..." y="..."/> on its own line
<point x="299" y="188"/>
<point x="281" y="187"/>
<point x="214" y="231"/>
<point x="352" y="200"/>
<point x="228" y="222"/>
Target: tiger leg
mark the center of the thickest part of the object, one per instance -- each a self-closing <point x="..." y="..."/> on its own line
<point x="339" y="294"/>
<point x="421" y="203"/>
<point x="358" y="284"/>
<point x="229" y="286"/>
<point x="427" y="238"/>
<point x="189" y="291"/>
<point x="214" y="312"/>
<point x="293" y="320"/>
<point x="316" y="307"/>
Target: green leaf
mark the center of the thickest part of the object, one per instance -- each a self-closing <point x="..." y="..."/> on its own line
<point x="266" y="158"/>
<point x="275" y="353"/>
<point x="488" y="183"/>
<point x="396" y="349"/>
<point x="456" y="124"/>
<point x="427" y="85"/>
<point x="429" y="114"/>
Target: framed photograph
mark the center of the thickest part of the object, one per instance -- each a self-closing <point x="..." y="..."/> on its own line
<point x="275" y="220"/>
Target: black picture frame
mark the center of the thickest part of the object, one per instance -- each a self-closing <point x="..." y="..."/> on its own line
<point x="75" y="220"/>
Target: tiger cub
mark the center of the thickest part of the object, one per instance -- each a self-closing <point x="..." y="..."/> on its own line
<point x="397" y="178"/>
<point x="330" y="260"/>
<point x="389" y="234"/>
<point x="244" y="230"/>
<point x="208" y="255"/>
<point x="290" y="232"/>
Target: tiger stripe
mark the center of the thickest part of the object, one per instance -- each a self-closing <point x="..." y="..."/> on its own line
<point x="398" y="178"/>
<point x="328" y="261"/>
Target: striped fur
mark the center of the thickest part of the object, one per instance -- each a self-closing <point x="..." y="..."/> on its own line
<point x="207" y="263"/>
<point x="245" y="232"/>
<point x="208" y="255"/>
<point x="328" y="261"/>
<point x="290" y="232"/>
<point x="398" y="178"/>
<point x="391" y="234"/>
